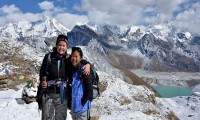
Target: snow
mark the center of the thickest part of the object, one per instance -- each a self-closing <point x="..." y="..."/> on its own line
<point x="134" y="29"/>
<point x="120" y="101"/>
<point x="12" y="108"/>
<point x="185" y="107"/>
<point x="187" y="35"/>
<point x="124" y="39"/>
<point x="196" y="88"/>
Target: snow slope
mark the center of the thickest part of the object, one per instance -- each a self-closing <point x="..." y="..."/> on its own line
<point x="119" y="101"/>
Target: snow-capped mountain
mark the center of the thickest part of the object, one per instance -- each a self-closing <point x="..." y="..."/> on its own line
<point x="45" y="27"/>
<point x="113" y="53"/>
<point x="161" y="47"/>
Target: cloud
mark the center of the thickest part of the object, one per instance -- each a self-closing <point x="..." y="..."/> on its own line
<point x="189" y="20"/>
<point x="9" y="9"/>
<point x="119" y="12"/>
<point x="167" y="7"/>
<point x="126" y="12"/>
<point x="184" y="13"/>
<point x="12" y="14"/>
<point x="69" y="20"/>
<point x="46" y="5"/>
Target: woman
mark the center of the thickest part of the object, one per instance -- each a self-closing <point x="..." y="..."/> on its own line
<point x="81" y="87"/>
<point x="53" y="78"/>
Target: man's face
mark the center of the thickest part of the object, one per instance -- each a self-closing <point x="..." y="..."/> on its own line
<point x="61" y="47"/>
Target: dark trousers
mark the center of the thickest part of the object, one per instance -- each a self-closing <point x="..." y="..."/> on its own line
<point x="52" y="109"/>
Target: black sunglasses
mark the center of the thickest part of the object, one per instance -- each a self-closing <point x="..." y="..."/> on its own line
<point x="76" y="49"/>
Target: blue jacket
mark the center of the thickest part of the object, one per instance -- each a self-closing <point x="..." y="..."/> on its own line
<point x="80" y="88"/>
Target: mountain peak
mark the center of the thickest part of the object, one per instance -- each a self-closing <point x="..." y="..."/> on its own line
<point x="45" y="27"/>
<point x="45" y="17"/>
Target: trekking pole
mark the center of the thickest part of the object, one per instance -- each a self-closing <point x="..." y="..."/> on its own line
<point x="44" y="90"/>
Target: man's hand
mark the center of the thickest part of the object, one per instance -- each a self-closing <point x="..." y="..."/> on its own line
<point x="86" y="69"/>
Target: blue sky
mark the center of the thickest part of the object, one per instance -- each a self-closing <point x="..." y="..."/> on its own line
<point x="33" y="7"/>
<point x="185" y="14"/>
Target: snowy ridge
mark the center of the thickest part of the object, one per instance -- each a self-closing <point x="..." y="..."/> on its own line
<point x="119" y="100"/>
<point x="45" y="27"/>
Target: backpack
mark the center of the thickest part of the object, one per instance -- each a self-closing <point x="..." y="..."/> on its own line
<point x="95" y="81"/>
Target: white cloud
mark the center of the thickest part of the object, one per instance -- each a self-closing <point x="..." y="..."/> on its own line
<point x="12" y="14"/>
<point x="119" y="12"/>
<point x="189" y="20"/>
<point x="46" y="5"/>
<point x="167" y="7"/>
<point x="69" y="20"/>
<point x="137" y="12"/>
<point x="9" y="9"/>
<point x="127" y="12"/>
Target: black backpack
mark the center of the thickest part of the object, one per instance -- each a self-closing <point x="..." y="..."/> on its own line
<point x="95" y="81"/>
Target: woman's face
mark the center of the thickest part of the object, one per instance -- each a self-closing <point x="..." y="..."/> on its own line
<point x="61" y="47"/>
<point x="75" y="58"/>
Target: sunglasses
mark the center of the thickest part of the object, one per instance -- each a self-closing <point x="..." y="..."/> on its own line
<point x="76" y="49"/>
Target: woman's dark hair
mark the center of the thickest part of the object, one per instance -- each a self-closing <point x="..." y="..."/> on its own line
<point x="78" y="49"/>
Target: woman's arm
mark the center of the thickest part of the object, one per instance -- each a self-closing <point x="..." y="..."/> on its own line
<point x="43" y="72"/>
<point x="43" y="67"/>
<point x="86" y="67"/>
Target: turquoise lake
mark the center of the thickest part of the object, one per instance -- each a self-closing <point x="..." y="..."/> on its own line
<point x="172" y="91"/>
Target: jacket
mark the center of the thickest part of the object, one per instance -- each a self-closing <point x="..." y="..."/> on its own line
<point x="50" y="68"/>
<point x="82" y="91"/>
<point x="87" y="82"/>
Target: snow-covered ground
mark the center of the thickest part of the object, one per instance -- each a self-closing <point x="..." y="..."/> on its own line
<point x="168" y="78"/>
<point x="13" y="108"/>
<point x="119" y="101"/>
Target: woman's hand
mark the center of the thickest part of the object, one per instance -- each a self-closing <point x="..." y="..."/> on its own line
<point x="86" y="69"/>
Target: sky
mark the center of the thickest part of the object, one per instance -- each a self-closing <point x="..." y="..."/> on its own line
<point x="184" y="14"/>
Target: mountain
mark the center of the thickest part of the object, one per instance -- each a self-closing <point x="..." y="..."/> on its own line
<point x="45" y="27"/>
<point x="161" y="47"/>
<point x="114" y="53"/>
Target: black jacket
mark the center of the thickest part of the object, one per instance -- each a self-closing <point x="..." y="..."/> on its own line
<point x="49" y="67"/>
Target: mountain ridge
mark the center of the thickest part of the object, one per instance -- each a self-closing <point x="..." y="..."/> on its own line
<point x="156" y="44"/>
